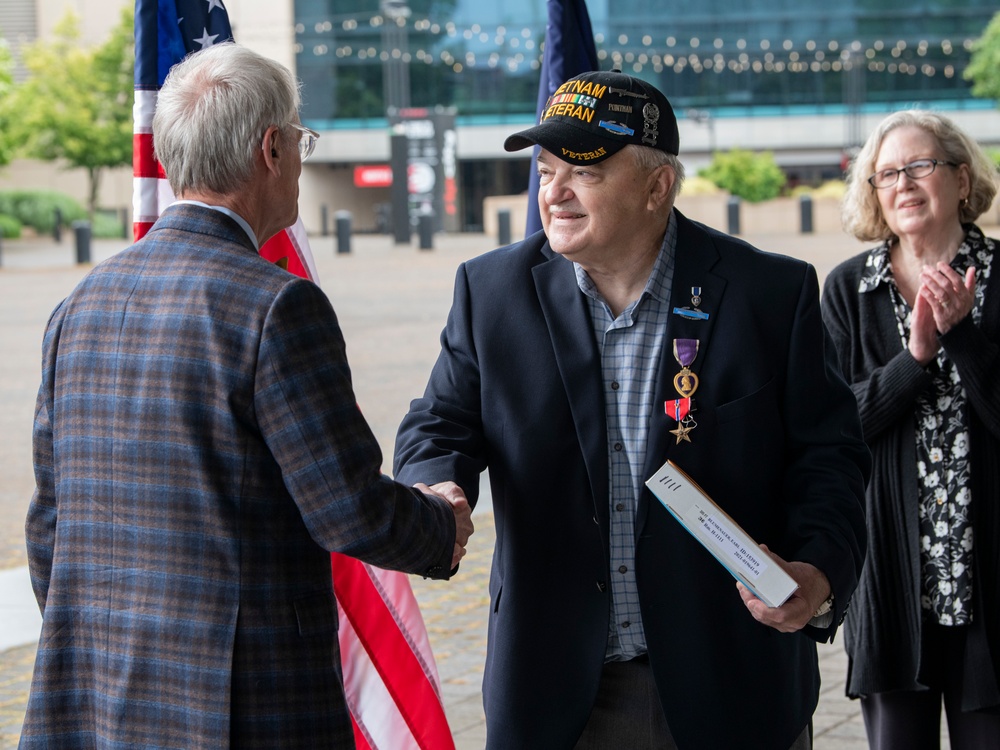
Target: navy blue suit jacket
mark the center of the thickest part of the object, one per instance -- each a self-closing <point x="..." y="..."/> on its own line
<point x="517" y="389"/>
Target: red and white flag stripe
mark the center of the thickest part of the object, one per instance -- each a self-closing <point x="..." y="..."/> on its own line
<point x="391" y="682"/>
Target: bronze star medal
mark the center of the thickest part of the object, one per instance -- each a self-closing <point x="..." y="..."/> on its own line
<point x="682" y="413"/>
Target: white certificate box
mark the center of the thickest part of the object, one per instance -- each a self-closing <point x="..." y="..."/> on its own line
<point x="721" y="535"/>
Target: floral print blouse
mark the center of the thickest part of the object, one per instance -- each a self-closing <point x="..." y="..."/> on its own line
<point x="945" y="501"/>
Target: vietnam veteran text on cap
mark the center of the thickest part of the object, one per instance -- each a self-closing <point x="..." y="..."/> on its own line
<point x="595" y="115"/>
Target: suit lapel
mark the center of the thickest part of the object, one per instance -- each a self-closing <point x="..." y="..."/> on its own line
<point x="695" y="257"/>
<point x="571" y="332"/>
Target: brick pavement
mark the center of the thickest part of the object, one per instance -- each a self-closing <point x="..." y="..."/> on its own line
<point x="392" y="302"/>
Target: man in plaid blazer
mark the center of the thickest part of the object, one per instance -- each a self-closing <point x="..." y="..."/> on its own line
<point x="198" y="452"/>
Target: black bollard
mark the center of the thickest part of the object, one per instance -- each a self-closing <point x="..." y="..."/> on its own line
<point x="123" y="217"/>
<point x="425" y="227"/>
<point x="383" y="218"/>
<point x="733" y="214"/>
<point x="343" y="220"/>
<point x="503" y="226"/>
<point x="806" y="211"/>
<point x="57" y="226"/>
<point x="324" y="220"/>
<point x="81" y="230"/>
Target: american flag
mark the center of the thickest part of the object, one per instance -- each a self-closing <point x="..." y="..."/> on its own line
<point x="390" y="677"/>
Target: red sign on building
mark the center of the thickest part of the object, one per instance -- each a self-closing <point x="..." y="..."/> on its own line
<point x="373" y="176"/>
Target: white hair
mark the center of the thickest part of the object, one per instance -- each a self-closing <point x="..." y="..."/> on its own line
<point x="212" y="112"/>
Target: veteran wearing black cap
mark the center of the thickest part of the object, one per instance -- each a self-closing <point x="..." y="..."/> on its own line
<point x="573" y="365"/>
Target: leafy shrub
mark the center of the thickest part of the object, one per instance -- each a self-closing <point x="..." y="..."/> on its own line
<point x="107" y="225"/>
<point x="37" y="208"/>
<point x="752" y="177"/>
<point x="10" y="228"/>
<point x="829" y="189"/>
<point x="698" y="185"/>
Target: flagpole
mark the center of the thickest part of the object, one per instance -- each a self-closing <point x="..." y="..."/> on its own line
<point x="569" y="51"/>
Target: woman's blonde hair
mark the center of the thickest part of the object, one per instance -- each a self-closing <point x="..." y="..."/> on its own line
<point x="862" y="215"/>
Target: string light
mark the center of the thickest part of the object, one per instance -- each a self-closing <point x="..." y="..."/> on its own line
<point x="519" y="50"/>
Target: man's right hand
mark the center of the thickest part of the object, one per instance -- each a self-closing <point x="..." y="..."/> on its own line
<point x="463" y="514"/>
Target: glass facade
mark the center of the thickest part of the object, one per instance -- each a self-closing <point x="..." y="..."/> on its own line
<point x="733" y="57"/>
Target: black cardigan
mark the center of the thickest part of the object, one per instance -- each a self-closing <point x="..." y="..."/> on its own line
<point x="883" y="625"/>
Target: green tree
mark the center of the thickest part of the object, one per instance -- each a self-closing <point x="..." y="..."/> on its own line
<point x="752" y="177"/>
<point x="6" y="94"/>
<point x="76" y="104"/>
<point x="984" y="64"/>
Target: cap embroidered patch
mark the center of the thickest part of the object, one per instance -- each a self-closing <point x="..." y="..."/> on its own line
<point x="595" y="115"/>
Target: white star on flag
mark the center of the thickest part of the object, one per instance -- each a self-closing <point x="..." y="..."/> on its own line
<point x="215" y="4"/>
<point x="207" y="40"/>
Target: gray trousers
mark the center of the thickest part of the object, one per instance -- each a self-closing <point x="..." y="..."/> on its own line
<point x="628" y="714"/>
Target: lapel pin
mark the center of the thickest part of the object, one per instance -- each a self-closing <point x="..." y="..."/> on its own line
<point x="692" y="312"/>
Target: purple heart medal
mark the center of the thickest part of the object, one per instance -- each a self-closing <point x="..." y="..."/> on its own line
<point x="686" y="383"/>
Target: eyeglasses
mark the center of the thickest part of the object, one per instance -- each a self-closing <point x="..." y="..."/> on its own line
<point x="915" y="170"/>
<point x="307" y="140"/>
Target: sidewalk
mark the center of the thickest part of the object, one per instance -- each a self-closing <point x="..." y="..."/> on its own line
<point x="392" y="302"/>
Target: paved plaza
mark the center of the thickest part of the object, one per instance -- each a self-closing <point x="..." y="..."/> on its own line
<point x="392" y="302"/>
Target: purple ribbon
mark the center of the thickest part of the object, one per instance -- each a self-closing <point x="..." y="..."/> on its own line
<point x="685" y="350"/>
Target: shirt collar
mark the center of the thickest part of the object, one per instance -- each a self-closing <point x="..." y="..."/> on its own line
<point x="657" y="285"/>
<point x="231" y="214"/>
<point x="878" y="267"/>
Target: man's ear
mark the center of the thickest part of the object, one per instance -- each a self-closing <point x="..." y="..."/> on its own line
<point x="268" y="146"/>
<point x="661" y="185"/>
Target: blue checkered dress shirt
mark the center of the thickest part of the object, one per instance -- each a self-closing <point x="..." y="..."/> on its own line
<point x="630" y="347"/>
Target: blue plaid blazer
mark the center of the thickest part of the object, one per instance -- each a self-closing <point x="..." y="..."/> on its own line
<point x="198" y="451"/>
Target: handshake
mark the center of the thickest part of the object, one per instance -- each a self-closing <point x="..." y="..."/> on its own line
<point x="454" y="495"/>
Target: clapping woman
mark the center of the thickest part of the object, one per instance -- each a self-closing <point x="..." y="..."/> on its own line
<point x="916" y="324"/>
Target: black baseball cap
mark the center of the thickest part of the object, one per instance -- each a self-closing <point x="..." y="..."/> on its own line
<point x="595" y="115"/>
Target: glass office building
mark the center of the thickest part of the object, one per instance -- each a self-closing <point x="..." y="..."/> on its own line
<point x="733" y="57"/>
<point x="725" y="63"/>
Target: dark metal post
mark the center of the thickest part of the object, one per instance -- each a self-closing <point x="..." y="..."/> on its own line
<point x="806" y="211"/>
<point x="81" y="230"/>
<point x="324" y="220"/>
<point x="733" y="214"/>
<point x="383" y="218"/>
<point x="503" y="226"/>
<point x="425" y="226"/>
<point x="343" y="231"/>
<point x="123" y="215"/>
<point x="399" y="191"/>
<point x="57" y="226"/>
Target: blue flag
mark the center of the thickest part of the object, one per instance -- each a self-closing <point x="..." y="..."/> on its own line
<point x="569" y="51"/>
<point x="167" y="30"/>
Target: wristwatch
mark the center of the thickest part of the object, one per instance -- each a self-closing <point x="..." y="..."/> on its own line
<point x="824" y="607"/>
